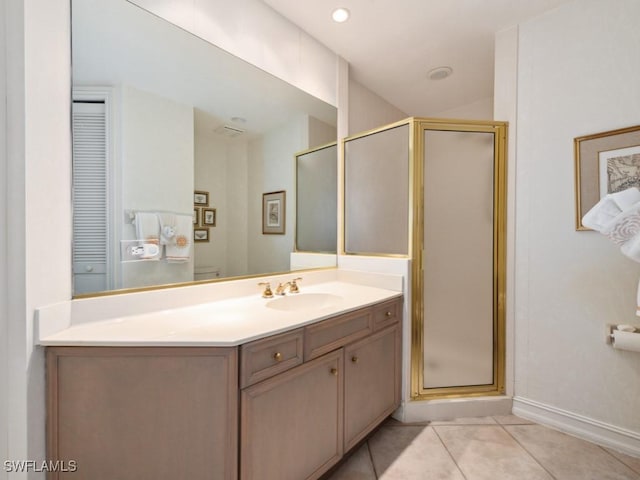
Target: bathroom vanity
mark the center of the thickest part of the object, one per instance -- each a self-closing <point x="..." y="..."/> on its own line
<point x="284" y="405"/>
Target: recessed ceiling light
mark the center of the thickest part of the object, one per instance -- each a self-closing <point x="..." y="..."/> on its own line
<point x="440" y="73"/>
<point x="340" y="15"/>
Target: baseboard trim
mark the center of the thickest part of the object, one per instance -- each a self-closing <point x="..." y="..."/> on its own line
<point x="601" y="433"/>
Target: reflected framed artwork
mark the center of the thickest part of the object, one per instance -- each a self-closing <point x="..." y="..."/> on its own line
<point x="273" y="213"/>
<point x="605" y="163"/>
<point x="208" y="217"/>
<point x="200" y="234"/>
<point x="201" y="198"/>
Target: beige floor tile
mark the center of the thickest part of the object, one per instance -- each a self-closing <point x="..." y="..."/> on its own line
<point x="486" y="452"/>
<point x="392" y="422"/>
<point x="569" y="458"/>
<point x="629" y="461"/>
<point x="357" y="467"/>
<point x="465" y="421"/>
<point x="411" y="453"/>
<point x="511" y="420"/>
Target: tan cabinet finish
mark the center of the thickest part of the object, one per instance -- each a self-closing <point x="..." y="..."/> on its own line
<point x="372" y="382"/>
<point x="299" y="399"/>
<point x="264" y="358"/>
<point x="328" y="335"/>
<point x="291" y="424"/>
<point x="143" y="413"/>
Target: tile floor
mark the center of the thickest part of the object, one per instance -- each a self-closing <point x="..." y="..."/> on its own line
<point x="486" y="448"/>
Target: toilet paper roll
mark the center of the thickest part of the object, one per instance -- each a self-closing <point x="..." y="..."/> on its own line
<point x="626" y="341"/>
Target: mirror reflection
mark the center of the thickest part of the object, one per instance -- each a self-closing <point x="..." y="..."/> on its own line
<point x="317" y="199"/>
<point x="170" y="129"/>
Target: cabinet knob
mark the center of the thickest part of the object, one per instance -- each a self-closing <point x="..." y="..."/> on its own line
<point x="277" y="356"/>
<point x="334" y="371"/>
<point x="355" y="359"/>
<point x="388" y="314"/>
<point x="89" y="268"/>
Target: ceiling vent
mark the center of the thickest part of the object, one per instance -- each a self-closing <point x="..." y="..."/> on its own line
<point x="229" y="131"/>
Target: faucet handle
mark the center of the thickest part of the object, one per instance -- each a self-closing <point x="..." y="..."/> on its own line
<point x="294" y="285"/>
<point x="267" y="293"/>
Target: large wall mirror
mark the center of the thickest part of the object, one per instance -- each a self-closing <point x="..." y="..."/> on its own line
<point x="168" y="126"/>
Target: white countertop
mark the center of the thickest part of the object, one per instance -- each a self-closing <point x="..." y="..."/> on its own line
<point x="227" y="322"/>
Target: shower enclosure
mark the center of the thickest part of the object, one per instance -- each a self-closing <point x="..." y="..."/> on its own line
<point x="435" y="191"/>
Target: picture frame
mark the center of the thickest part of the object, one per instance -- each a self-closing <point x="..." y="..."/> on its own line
<point x="200" y="235"/>
<point x="196" y="216"/>
<point x="274" y="213"/>
<point x="208" y="218"/>
<point x="605" y="163"/>
<point x="201" y="198"/>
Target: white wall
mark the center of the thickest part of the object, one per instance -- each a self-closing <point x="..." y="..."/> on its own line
<point x="271" y="169"/>
<point x="157" y="164"/>
<point x="4" y="319"/>
<point x="238" y="214"/>
<point x="211" y="160"/>
<point x="258" y="34"/>
<point x="478" y="110"/>
<point x="578" y="74"/>
<point x="37" y="200"/>
<point x="367" y="110"/>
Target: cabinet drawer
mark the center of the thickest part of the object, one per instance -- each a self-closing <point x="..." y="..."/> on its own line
<point x="387" y="314"/>
<point x="328" y="335"/>
<point x="264" y="358"/>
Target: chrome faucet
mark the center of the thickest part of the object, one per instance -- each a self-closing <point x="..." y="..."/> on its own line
<point x="292" y="285"/>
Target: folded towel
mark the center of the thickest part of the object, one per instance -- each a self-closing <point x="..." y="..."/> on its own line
<point x="602" y="216"/>
<point x="148" y="231"/>
<point x="176" y="236"/>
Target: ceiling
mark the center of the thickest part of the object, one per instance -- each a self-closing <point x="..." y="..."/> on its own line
<point x="392" y="44"/>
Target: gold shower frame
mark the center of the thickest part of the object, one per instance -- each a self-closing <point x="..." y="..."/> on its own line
<point x="499" y="129"/>
<point x="417" y="126"/>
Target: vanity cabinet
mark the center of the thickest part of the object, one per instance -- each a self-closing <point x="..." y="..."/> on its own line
<point x="372" y="375"/>
<point x="296" y="424"/>
<point x="291" y="424"/>
<point x="143" y="413"/>
<point x="286" y="407"/>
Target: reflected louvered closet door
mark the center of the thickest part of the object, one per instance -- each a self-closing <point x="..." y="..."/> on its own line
<point x="90" y="181"/>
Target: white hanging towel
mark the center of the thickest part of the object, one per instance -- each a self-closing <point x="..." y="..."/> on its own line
<point x="617" y="216"/>
<point x="148" y="231"/>
<point x="175" y="235"/>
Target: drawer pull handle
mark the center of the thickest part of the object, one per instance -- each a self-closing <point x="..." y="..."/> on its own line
<point x="277" y="356"/>
<point x="355" y="359"/>
<point x="388" y="314"/>
<point x="334" y="371"/>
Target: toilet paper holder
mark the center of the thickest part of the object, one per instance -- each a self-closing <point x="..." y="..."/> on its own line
<point x="611" y="327"/>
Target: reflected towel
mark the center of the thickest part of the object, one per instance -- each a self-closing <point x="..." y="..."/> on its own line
<point x="148" y="230"/>
<point x="176" y="236"/>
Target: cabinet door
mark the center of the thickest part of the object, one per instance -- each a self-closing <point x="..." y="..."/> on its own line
<point x="372" y="382"/>
<point x="143" y="413"/>
<point x="291" y="424"/>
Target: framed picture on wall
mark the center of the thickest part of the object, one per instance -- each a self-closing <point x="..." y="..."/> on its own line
<point x="208" y="217"/>
<point x="201" y="198"/>
<point x="605" y="163"/>
<point x="200" y="234"/>
<point x="273" y="213"/>
<point x="196" y="216"/>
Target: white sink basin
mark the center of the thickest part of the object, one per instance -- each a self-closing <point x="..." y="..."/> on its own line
<point x="304" y="301"/>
